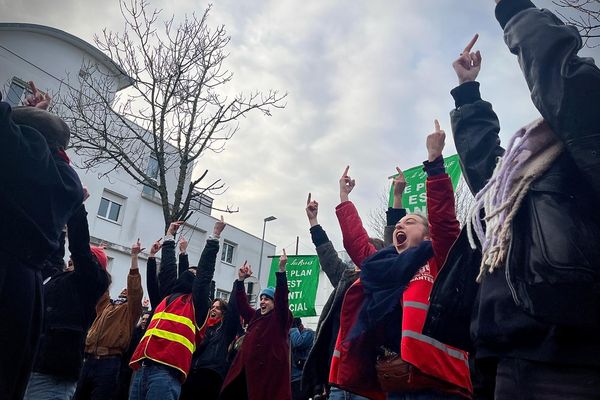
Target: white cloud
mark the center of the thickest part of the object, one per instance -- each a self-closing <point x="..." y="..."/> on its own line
<point x="365" y="81"/>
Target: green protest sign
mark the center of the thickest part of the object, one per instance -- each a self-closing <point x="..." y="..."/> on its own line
<point x="415" y="196"/>
<point x="303" y="279"/>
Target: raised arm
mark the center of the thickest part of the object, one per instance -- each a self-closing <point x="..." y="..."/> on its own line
<point x="475" y="125"/>
<point x="443" y="225"/>
<point x="564" y="87"/>
<point x="355" y="237"/>
<point x="184" y="261"/>
<point x="330" y="262"/>
<point x="205" y="273"/>
<point x="87" y="267"/>
<point x="239" y="295"/>
<point x="231" y="322"/>
<point x="151" y="275"/>
<point x="168" y="264"/>
<point x="55" y="263"/>
<point x="397" y="211"/>
<point x="282" y="306"/>
<point x="134" y="286"/>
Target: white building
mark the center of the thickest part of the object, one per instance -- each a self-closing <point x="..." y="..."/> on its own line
<point x="119" y="210"/>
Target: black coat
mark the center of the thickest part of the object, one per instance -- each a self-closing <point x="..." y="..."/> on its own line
<point x="70" y="305"/>
<point x="212" y="352"/>
<point x="550" y="283"/>
<point x="39" y="191"/>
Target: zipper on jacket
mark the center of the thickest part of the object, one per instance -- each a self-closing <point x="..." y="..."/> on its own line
<point x="507" y="274"/>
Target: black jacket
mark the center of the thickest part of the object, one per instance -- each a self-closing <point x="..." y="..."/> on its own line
<point x="212" y="352"/>
<point x="39" y="191"/>
<point x="70" y="305"/>
<point x="544" y="304"/>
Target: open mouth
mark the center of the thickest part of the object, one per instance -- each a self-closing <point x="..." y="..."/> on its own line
<point x="400" y="238"/>
<point x="213" y="314"/>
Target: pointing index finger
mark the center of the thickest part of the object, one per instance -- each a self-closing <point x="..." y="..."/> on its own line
<point x="471" y="44"/>
<point x="33" y="88"/>
<point x="308" y="200"/>
<point x="437" y="125"/>
<point x="346" y="171"/>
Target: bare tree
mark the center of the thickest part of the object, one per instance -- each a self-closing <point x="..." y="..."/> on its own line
<point x="584" y="15"/>
<point x="176" y="109"/>
<point x="377" y="219"/>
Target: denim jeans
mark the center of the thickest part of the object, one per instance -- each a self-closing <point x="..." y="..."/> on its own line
<point x="49" y="387"/>
<point x="339" y="394"/>
<point x="155" y="382"/>
<point x="99" y="379"/>
<point x="425" y="395"/>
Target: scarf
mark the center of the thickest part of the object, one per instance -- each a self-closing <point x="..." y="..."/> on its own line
<point x="530" y="152"/>
<point x="384" y="276"/>
<point x="210" y="322"/>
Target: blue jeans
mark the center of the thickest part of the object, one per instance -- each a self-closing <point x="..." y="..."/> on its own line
<point x="49" y="387"/>
<point x="425" y="395"/>
<point x="339" y="394"/>
<point x="99" y="379"/>
<point x="155" y="382"/>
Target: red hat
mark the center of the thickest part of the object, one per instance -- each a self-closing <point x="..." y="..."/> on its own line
<point x="100" y="255"/>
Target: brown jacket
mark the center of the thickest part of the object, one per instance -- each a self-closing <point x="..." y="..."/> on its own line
<point x="112" y="329"/>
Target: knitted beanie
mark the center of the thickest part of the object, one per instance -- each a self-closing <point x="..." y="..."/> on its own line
<point x="269" y="292"/>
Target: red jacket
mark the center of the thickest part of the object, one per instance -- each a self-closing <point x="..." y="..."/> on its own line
<point x="348" y="369"/>
<point x="264" y="357"/>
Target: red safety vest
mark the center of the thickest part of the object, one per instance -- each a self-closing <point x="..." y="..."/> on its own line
<point x="171" y="336"/>
<point x="425" y="353"/>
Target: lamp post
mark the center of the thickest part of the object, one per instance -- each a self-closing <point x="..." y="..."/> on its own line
<point x="262" y="245"/>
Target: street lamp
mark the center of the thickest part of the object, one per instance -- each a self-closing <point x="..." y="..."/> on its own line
<point x="262" y="245"/>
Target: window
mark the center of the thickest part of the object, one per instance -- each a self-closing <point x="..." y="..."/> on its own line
<point x="17" y="91"/>
<point x="152" y="171"/>
<point x="201" y="202"/>
<point x="111" y="207"/>
<point x="222" y="294"/>
<point x="227" y="252"/>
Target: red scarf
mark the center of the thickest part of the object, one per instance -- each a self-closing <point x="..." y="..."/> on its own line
<point x="210" y="321"/>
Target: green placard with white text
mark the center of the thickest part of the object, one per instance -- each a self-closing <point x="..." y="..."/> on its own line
<point x="414" y="198"/>
<point x="303" y="279"/>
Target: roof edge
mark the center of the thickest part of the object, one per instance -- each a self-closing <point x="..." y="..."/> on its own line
<point x="123" y="79"/>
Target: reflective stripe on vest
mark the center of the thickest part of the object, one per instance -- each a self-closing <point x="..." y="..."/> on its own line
<point x="416" y="304"/>
<point x="171" y="336"/>
<point x="176" y="318"/>
<point x="436" y="343"/>
<point x="174" y="337"/>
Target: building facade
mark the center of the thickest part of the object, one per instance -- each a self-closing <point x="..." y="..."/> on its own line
<point x="120" y="210"/>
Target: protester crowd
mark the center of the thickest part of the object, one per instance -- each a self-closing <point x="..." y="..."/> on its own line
<point x="505" y="307"/>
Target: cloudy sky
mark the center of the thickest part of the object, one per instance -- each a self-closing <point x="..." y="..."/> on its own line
<point x="365" y="80"/>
